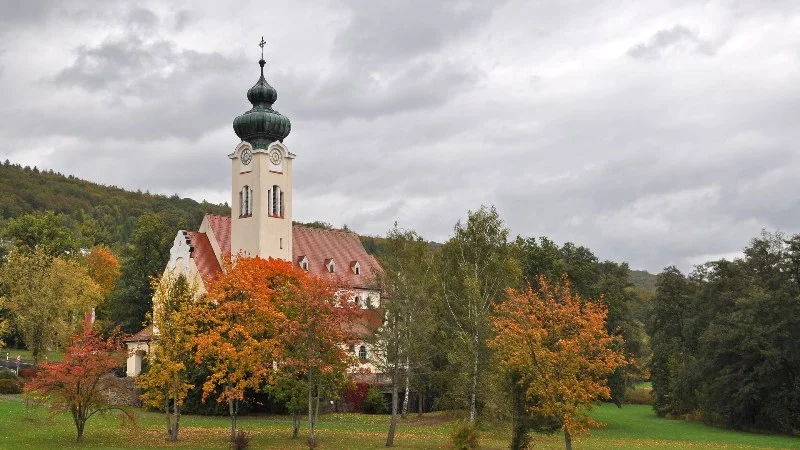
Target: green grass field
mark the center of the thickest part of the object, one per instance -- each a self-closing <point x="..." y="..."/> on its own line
<point x="12" y="354"/>
<point x="633" y="426"/>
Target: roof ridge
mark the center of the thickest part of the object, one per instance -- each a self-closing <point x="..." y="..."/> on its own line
<point x="324" y="230"/>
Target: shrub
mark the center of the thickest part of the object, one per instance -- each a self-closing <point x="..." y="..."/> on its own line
<point x="641" y="396"/>
<point x="375" y="403"/>
<point x="9" y="386"/>
<point x="7" y="375"/>
<point x="28" y="372"/>
<point x="355" y="395"/>
<point x="464" y="435"/>
<point x="242" y="440"/>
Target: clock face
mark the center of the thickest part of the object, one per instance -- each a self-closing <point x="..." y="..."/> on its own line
<point x="247" y="156"/>
<point x="275" y="157"/>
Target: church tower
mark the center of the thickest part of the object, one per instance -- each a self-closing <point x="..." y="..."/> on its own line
<point x="261" y="207"/>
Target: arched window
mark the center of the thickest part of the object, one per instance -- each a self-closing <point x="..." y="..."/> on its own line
<point x="277" y="202"/>
<point x="246" y="202"/>
<point x="362" y="353"/>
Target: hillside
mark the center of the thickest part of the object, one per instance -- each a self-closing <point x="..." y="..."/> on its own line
<point x="102" y="214"/>
<point x="643" y="280"/>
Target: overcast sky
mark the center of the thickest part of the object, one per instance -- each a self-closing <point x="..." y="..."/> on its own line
<point x="656" y="133"/>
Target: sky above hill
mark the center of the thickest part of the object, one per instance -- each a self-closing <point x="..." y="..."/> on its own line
<point x="657" y="133"/>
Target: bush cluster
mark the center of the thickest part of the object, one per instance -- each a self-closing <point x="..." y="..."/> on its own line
<point x="464" y="435"/>
<point x="10" y="383"/>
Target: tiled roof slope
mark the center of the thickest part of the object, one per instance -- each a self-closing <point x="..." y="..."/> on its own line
<point x="221" y="226"/>
<point x="317" y="245"/>
<point x="203" y="256"/>
<point x="143" y="335"/>
<point x="343" y="247"/>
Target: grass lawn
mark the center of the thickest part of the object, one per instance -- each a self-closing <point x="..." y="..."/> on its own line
<point x="633" y="426"/>
<point x="26" y="355"/>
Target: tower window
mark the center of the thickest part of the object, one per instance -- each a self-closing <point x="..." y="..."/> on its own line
<point x="305" y="265"/>
<point x="277" y="202"/>
<point x="246" y="202"/>
<point x="281" y="243"/>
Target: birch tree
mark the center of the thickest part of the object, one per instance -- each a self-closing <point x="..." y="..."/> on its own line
<point x="478" y="265"/>
<point x="409" y="285"/>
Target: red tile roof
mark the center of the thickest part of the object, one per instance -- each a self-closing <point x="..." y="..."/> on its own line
<point x="343" y="247"/>
<point x="204" y="257"/>
<point x="221" y="226"/>
<point x="318" y="246"/>
<point x="144" y="335"/>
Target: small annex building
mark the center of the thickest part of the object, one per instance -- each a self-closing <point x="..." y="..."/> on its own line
<point x="261" y="225"/>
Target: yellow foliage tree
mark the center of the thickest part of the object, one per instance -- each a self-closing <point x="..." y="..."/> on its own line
<point x="558" y="345"/>
<point x="166" y="382"/>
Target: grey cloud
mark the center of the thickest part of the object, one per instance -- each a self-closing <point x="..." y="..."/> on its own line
<point x="675" y="39"/>
<point x="393" y="31"/>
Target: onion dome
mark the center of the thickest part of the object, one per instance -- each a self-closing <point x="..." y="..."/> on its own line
<point x="262" y="125"/>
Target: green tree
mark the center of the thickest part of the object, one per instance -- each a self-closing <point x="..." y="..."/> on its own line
<point x="478" y="265"/>
<point x="45" y="230"/>
<point x="144" y="258"/>
<point x="405" y="337"/>
<point x="48" y="297"/>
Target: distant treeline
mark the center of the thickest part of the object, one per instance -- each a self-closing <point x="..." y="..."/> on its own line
<point x="98" y="214"/>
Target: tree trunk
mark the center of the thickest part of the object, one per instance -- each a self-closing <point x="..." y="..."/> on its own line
<point x="232" y="412"/>
<point x="177" y="421"/>
<point x="567" y="439"/>
<point x="79" y="424"/>
<point x="393" y="423"/>
<point x="295" y="424"/>
<point x="405" y="396"/>
<point x="472" y="407"/>
<point x="421" y="400"/>
<point x="312" y="439"/>
<point x="167" y="416"/>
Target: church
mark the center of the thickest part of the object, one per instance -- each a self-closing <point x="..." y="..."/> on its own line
<point x="261" y="225"/>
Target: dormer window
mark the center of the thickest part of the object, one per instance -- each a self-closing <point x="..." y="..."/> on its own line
<point x="303" y="262"/>
<point x="355" y="267"/>
<point x="330" y="265"/>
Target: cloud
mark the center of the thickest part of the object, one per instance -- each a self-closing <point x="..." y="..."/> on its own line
<point x="677" y="39"/>
<point x="420" y="111"/>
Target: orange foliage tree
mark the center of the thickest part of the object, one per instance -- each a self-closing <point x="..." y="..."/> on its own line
<point x="557" y="344"/>
<point x="315" y="339"/>
<point x="240" y="324"/>
<point x="103" y="268"/>
<point x="83" y="383"/>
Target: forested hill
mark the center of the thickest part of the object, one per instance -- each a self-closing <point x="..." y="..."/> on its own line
<point x="99" y="214"/>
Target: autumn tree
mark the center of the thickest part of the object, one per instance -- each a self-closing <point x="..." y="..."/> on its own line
<point x="239" y="322"/>
<point x="103" y="268"/>
<point x="48" y="297"/>
<point x="83" y="383"/>
<point x="317" y="330"/>
<point x="478" y="266"/>
<point x="166" y="383"/>
<point x="408" y="281"/>
<point x="558" y="346"/>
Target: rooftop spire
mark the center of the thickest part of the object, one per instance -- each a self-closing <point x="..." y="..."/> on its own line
<point x="261" y="61"/>
<point x="262" y="124"/>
